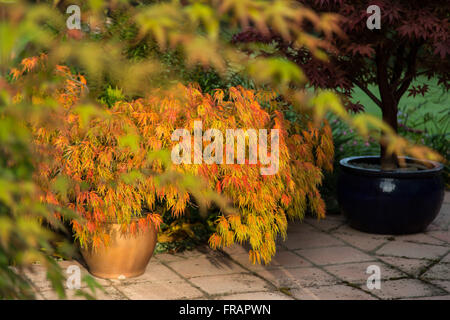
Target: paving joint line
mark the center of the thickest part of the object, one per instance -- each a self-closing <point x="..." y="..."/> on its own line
<point x="256" y="274"/>
<point x="341" y="281"/>
<point x="326" y="271"/>
<point x="381" y="261"/>
<point x="206" y="294"/>
<point x="120" y="292"/>
<point x="342" y="223"/>
<point x="430" y="235"/>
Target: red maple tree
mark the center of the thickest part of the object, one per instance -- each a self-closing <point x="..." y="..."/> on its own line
<point x="414" y="40"/>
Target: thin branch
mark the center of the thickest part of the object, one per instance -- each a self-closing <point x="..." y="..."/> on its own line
<point x="398" y="67"/>
<point x="381" y="58"/>
<point x="423" y="72"/>
<point x="410" y="73"/>
<point x="368" y="92"/>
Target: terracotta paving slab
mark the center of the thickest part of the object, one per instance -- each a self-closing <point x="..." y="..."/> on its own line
<point x="431" y="298"/>
<point x="358" y="239"/>
<point x="311" y="239"/>
<point x="442" y="221"/>
<point x="364" y="242"/>
<point x="334" y="255"/>
<point x="356" y="272"/>
<point x="299" y="227"/>
<point x="440" y="271"/>
<point x="441" y="235"/>
<point x="404" y="288"/>
<point x="421" y="238"/>
<point x="264" y="295"/>
<point x="38" y="275"/>
<point x="155" y="272"/>
<point x="205" y="266"/>
<point x="442" y="284"/>
<point x="231" y="283"/>
<point x="326" y="224"/>
<point x="413" y="267"/>
<point x="321" y="259"/>
<point x="447" y="197"/>
<point x="446" y="259"/>
<point x="412" y="250"/>
<point x="236" y="250"/>
<point x="337" y="292"/>
<point x="300" y="277"/>
<point x="168" y="257"/>
<point x="109" y="293"/>
<point x="160" y="291"/>
<point x="286" y="259"/>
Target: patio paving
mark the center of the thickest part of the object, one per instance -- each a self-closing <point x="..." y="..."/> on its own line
<point x="323" y="259"/>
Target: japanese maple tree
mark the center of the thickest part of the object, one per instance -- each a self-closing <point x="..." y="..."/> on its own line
<point x="414" y="40"/>
<point x="107" y="160"/>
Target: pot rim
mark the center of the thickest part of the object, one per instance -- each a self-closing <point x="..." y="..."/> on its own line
<point x="346" y="165"/>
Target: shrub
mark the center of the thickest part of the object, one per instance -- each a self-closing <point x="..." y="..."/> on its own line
<point x="106" y="161"/>
<point x="22" y="236"/>
<point x="29" y="229"/>
<point x="430" y="129"/>
<point x="346" y="143"/>
<point x="97" y="157"/>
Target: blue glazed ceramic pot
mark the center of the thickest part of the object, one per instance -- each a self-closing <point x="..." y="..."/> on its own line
<point x="389" y="202"/>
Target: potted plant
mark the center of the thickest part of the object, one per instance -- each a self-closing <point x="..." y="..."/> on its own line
<point x="97" y="161"/>
<point x="386" y="194"/>
<point x="261" y="202"/>
<point x="100" y="153"/>
<point x="105" y="160"/>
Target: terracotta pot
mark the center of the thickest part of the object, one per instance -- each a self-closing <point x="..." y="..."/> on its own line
<point x="126" y="255"/>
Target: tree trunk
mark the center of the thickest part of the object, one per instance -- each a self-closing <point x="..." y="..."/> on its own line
<point x="389" y="161"/>
<point x="389" y="108"/>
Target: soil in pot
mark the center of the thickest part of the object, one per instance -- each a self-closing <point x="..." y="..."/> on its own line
<point x="412" y="166"/>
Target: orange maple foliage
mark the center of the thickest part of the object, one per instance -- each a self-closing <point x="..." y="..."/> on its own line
<point x="106" y="160"/>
